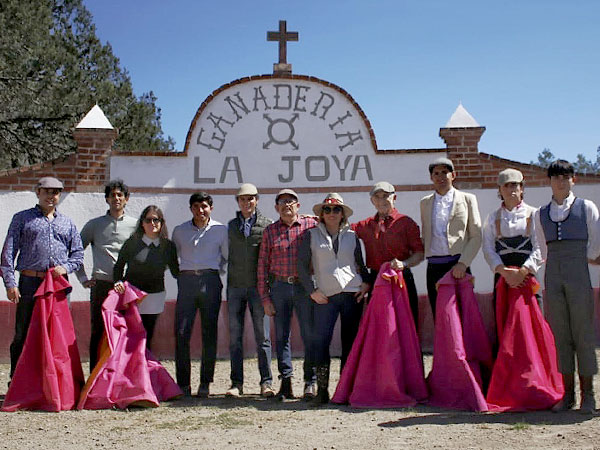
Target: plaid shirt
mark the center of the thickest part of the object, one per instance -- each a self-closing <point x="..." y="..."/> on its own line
<point x="279" y="252"/>
<point x="397" y="236"/>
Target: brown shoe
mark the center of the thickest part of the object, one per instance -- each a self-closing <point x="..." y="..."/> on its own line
<point x="266" y="390"/>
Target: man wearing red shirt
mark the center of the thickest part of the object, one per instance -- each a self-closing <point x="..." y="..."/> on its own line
<point x="281" y="291"/>
<point x="391" y="237"/>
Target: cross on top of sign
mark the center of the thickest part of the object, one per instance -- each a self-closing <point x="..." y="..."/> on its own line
<point x="283" y="37"/>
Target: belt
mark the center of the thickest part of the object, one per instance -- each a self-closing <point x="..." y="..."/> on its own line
<point x="198" y="272"/>
<point x="33" y="273"/>
<point x="446" y="259"/>
<point x="288" y="280"/>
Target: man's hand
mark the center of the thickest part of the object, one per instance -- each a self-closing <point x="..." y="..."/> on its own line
<point x="396" y="264"/>
<point x="459" y="270"/>
<point x="319" y="297"/>
<point x="362" y="294"/>
<point x="269" y="309"/>
<point x="89" y="283"/>
<point x="13" y="294"/>
<point x="119" y="287"/>
<point x="58" y="271"/>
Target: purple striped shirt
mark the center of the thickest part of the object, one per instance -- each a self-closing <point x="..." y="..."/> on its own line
<point x="40" y="243"/>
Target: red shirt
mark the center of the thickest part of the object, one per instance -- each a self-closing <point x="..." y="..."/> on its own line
<point x="279" y="252"/>
<point x="398" y="236"/>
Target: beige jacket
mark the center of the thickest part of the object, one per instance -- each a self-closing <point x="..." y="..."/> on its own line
<point x="464" y="226"/>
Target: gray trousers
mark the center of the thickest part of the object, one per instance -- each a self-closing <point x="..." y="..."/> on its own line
<point x="570" y="306"/>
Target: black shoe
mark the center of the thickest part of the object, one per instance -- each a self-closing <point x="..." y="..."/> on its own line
<point x="203" y="390"/>
<point x="187" y="391"/>
<point x="285" y="391"/>
<point x="322" y="397"/>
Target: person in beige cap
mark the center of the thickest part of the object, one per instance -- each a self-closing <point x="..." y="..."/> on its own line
<point x="451" y="227"/>
<point x="510" y="244"/>
<point x="390" y="236"/>
<point x="331" y="269"/>
<point x="39" y="239"/>
<point x="512" y="250"/>
<point x="281" y="291"/>
<point x="245" y="237"/>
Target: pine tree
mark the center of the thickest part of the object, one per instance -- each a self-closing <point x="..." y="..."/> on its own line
<point x="53" y="69"/>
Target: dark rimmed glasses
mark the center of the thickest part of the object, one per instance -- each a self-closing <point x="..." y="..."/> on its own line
<point x="152" y="220"/>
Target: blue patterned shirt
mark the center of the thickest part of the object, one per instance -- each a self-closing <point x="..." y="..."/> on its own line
<point x="40" y="243"/>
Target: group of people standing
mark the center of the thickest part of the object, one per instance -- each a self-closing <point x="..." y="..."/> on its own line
<point x="322" y="267"/>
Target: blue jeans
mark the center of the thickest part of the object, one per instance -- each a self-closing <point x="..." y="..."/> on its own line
<point x="287" y="297"/>
<point x="197" y="292"/>
<point x="237" y="299"/>
<point x="326" y="315"/>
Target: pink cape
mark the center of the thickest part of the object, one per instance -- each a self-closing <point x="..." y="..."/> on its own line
<point x="461" y="347"/>
<point x="525" y="375"/>
<point x="384" y="368"/>
<point x="48" y="375"/>
<point x="126" y="373"/>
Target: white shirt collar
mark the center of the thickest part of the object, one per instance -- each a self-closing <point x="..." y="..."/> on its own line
<point x="149" y="241"/>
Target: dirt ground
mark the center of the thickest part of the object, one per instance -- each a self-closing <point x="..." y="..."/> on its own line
<point x="253" y="422"/>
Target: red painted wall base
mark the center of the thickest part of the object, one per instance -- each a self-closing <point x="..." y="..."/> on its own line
<point x="164" y="338"/>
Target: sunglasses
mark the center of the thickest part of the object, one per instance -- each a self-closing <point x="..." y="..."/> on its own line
<point x="153" y="220"/>
<point x="329" y="209"/>
<point x="286" y="201"/>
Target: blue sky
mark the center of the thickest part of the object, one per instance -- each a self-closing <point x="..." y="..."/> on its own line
<point x="527" y="70"/>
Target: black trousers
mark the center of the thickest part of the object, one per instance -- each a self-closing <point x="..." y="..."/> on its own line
<point x="413" y="297"/>
<point x="149" y="322"/>
<point x="27" y="288"/>
<point x="98" y="294"/>
<point x="434" y="273"/>
<point x="197" y="293"/>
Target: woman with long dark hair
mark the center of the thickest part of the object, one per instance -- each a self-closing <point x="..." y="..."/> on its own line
<point x="147" y="254"/>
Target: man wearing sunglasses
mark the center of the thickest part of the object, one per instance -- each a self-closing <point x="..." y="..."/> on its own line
<point x="43" y="239"/>
<point x="391" y="237"/>
<point x="106" y="234"/>
<point x="281" y="290"/>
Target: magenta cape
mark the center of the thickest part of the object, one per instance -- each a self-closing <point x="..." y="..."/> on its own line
<point x="461" y="347"/>
<point x="126" y="373"/>
<point x="525" y="375"/>
<point x="384" y="368"/>
<point x="48" y="375"/>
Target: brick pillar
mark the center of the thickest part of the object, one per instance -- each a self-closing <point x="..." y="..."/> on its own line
<point x="94" y="146"/>
<point x="462" y="148"/>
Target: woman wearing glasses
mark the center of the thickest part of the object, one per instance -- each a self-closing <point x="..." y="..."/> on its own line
<point x="147" y="254"/>
<point x="331" y="252"/>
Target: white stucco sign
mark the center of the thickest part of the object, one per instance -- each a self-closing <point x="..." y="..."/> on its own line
<point x="308" y="133"/>
<point x="274" y="132"/>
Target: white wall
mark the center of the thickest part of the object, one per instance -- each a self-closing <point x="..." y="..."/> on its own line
<point x="82" y="207"/>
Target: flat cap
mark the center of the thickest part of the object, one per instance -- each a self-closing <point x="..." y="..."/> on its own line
<point x="247" y="189"/>
<point x="49" y="183"/>
<point x="509" y="176"/>
<point x="441" y="162"/>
